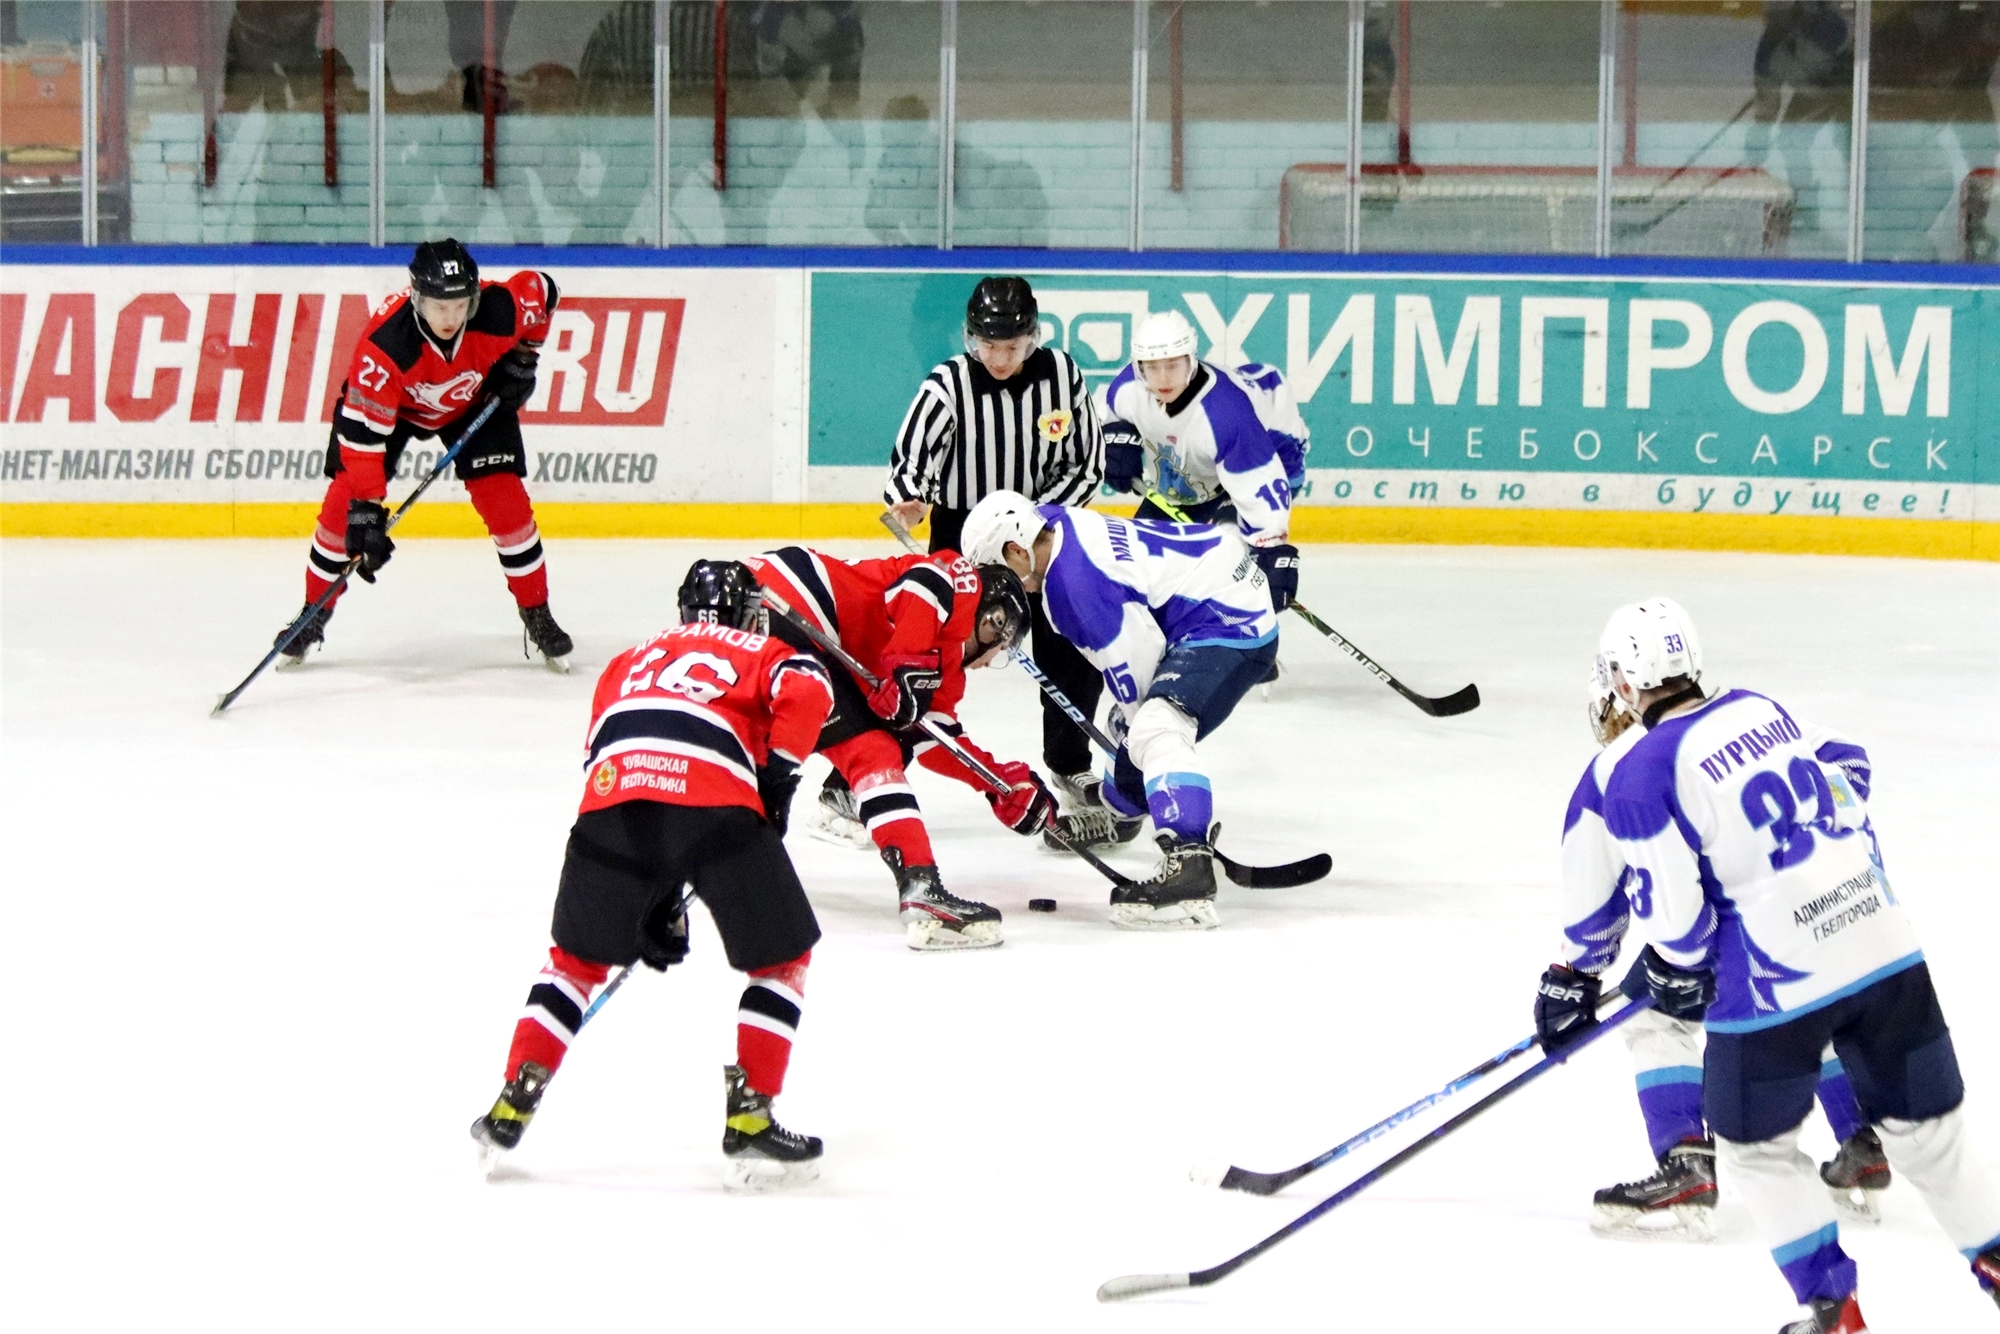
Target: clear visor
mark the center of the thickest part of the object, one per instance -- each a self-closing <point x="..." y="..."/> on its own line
<point x="995" y="637"/>
<point x="1167" y="374"/>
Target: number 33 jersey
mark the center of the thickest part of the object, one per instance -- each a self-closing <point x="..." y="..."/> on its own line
<point x="689" y="716"/>
<point x="1751" y="852"/>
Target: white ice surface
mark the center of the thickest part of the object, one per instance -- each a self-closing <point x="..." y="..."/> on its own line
<point x="265" y="968"/>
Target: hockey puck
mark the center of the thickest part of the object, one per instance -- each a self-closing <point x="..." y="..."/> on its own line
<point x="1041" y="905"/>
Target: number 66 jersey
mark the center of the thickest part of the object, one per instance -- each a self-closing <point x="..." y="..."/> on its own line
<point x="689" y="716"/>
<point x="1751" y="852"/>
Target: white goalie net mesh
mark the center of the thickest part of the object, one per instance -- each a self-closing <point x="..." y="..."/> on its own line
<point x="1735" y="212"/>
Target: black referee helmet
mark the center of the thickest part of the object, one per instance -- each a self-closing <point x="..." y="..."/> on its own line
<point x="1001" y="308"/>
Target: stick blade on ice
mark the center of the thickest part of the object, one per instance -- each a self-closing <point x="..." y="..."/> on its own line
<point x="1443" y="706"/>
<point x="1138" y="1285"/>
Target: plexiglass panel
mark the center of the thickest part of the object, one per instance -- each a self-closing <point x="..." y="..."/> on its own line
<point x="1235" y="98"/>
<point x="822" y="128"/>
<point x="1044" y="145"/>
<point x="1732" y="129"/>
<point x="1480" y="127"/>
<point x="1931" y="139"/>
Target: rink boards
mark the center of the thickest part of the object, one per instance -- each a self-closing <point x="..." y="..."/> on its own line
<point x="757" y="393"/>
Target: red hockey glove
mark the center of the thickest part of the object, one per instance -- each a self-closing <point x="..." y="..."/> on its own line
<point x="909" y="680"/>
<point x="1027" y="807"/>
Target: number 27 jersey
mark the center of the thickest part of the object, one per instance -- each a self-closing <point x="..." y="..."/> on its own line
<point x="1751" y="852"/>
<point x="689" y="716"/>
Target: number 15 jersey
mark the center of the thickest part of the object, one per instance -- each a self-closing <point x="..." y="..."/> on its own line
<point x="1751" y="852"/>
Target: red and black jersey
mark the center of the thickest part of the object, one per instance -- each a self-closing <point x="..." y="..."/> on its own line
<point x="880" y="608"/>
<point x="894" y="605"/>
<point x="401" y="373"/>
<point x="689" y="716"/>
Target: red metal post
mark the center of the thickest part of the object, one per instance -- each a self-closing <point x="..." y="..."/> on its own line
<point x="1628" y="65"/>
<point x="330" y="123"/>
<point x="721" y="94"/>
<point x="208" y="76"/>
<point x="487" y="78"/>
<point x="1179" y="110"/>
<point x="1402" y="83"/>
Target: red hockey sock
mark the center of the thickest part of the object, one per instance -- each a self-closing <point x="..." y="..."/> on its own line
<point x="555" y="1011"/>
<point x="872" y="764"/>
<point x="767" y="1018"/>
<point x="502" y="503"/>
<point x="328" y="554"/>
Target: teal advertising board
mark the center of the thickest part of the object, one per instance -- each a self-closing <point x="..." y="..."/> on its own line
<point x="1505" y="391"/>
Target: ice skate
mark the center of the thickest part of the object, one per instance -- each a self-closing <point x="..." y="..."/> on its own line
<point x="1180" y="896"/>
<point x="312" y="633"/>
<point x="1830" y="1316"/>
<point x="761" y="1154"/>
<point x="1093" y="827"/>
<point x="539" y="628"/>
<point x="497" y="1132"/>
<point x="836" y="818"/>
<point x="1986" y="1268"/>
<point x="936" y="919"/>
<point x="1857" y="1174"/>
<point x="1676" y="1203"/>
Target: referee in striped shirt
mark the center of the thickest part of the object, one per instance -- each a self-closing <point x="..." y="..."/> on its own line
<point x="1010" y="415"/>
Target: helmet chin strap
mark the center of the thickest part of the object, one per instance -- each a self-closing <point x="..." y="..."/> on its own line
<point x="1659" y="707"/>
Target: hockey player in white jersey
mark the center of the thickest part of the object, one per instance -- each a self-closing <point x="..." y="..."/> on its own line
<point x="1178" y="618"/>
<point x="1221" y="445"/>
<point x="1760" y="892"/>
<point x="1677" y="1202"/>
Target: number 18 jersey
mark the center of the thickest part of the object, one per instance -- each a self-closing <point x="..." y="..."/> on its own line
<point x="1747" y="835"/>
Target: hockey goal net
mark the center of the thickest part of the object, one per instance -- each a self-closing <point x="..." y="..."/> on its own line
<point x="1710" y="211"/>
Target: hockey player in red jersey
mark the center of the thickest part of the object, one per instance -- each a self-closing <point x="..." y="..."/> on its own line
<point x="690" y="764"/>
<point x="917" y="623"/>
<point x="425" y="364"/>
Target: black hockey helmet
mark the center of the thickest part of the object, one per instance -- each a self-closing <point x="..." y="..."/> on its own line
<point x="445" y="271"/>
<point x="1001" y="308"/>
<point x="1002" y="621"/>
<point x="721" y="592"/>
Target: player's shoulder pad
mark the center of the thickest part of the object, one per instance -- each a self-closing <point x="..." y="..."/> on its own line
<point x="1267" y="378"/>
<point x="498" y="313"/>
<point x="398" y="337"/>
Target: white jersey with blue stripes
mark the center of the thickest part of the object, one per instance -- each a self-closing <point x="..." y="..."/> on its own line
<point x="1594" y="908"/>
<point x="1751" y="852"/>
<point x="1125" y="590"/>
<point x="1236" y="432"/>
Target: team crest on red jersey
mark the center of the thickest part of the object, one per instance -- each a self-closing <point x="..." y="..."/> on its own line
<point x="606" y="778"/>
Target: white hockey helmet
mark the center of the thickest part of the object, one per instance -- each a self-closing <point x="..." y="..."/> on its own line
<point x="1002" y="517"/>
<point x="1650" y="642"/>
<point x="1163" y="336"/>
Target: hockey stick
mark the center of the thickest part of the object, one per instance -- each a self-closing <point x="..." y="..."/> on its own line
<point x="993" y="781"/>
<point x="305" y="617"/>
<point x="1437" y="706"/>
<point x="1287" y="876"/>
<point x="1133" y="1285"/>
<point x="1270" y="1183"/>
<point x="1440" y="706"/>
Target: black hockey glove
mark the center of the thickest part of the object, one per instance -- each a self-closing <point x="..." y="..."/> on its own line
<point x="1124" y="455"/>
<point x="512" y="379"/>
<point x="663" y="941"/>
<point x="1280" y="564"/>
<point x="909" y="680"/>
<point x="1565" y="1006"/>
<point x="776" y="782"/>
<point x="1678" y="993"/>
<point x="368" y="536"/>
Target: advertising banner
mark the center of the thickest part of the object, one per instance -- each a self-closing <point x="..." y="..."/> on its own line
<point x="1506" y="392"/>
<point x="218" y="383"/>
